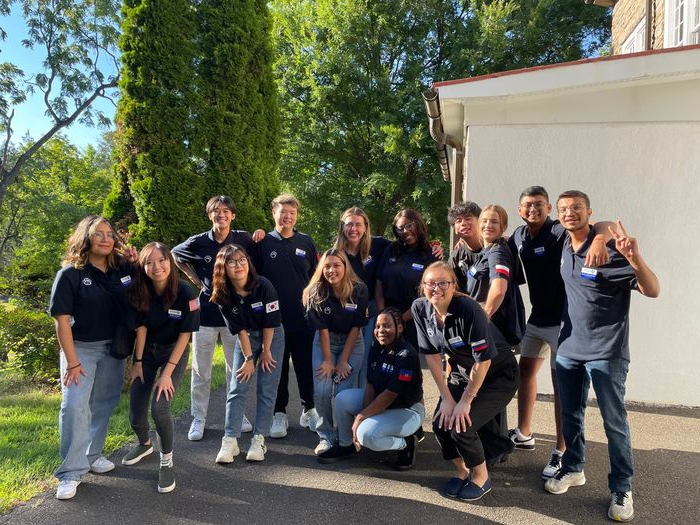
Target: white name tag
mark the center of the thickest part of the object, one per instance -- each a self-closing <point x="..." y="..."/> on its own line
<point x="588" y="273"/>
<point x="472" y="271"/>
<point x="300" y="252"/>
<point x="256" y="306"/>
<point x="177" y="314"/>
<point x="351" y="307"/>
<point x="126" y="280"/>
<point x="539" y="250"/>
<point x="456" y="342"/>
<point x="418" y="267"/>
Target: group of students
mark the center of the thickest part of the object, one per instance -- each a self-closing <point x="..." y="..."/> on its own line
<point x="352" y="320"/>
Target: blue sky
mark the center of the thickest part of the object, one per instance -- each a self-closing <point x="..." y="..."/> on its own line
<point x="29" y="117"/>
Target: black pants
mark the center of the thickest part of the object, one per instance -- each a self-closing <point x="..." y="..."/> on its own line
<point x="297" y="345"/>
<point x="155" y="357"/>
<point x="485" y="433"/>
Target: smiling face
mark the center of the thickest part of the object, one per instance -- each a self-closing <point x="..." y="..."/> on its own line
<point x="221" y="217"/>
<point x="102" y="240"/>
<point x="285" y="216"/>
<point x="573" y="213"/>
<point x="434" y="280"/>
<point x="333" y="270"/>
<point x="237" y="269"/>
<point x="406" y="229"/>
<point x="386" y="331"/>
<point x="534" y="210"/>
<point x="157" y="266"/>
<point x="466" y="229"/>
<point x="354" y="228"/>
<point x="490" y="226"/>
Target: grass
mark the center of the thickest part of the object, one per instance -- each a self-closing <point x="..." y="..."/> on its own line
<point x="29" y="432"/>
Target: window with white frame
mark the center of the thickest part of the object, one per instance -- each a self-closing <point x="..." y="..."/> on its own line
<point x="682" y="23"/>
<point x="637" y="39"/>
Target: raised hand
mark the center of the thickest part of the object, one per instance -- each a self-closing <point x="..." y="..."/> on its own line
<point x="624" y="244"/>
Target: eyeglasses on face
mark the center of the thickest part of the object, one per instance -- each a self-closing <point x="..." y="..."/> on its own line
<point x="409" y="226"/>
<point x="432" y="285"/>
<point x="574" y="208"/>
<point x="233" y="263"/>
<point x="103" y="236"/>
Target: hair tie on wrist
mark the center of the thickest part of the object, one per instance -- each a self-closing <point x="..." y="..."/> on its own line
<point x="73" y="367"/>
<point x="171" y="363"/>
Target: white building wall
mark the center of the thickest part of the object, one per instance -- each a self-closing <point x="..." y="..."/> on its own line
<point x="647" y="175"/>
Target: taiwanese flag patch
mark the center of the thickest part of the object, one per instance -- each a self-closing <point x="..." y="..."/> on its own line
<point x="405" y="375"/>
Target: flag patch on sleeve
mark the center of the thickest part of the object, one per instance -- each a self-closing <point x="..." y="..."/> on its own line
<point x="272" y="307"/>
<point x="479" y="346"/>
<point x="503" y="270"/>
<point x="194" y="304"/>
<point x="405" y="375"/>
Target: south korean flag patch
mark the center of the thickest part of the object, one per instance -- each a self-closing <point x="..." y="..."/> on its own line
<point x="272" y="307"/>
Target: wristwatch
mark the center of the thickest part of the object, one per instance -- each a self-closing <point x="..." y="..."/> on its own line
<point x="247" y="358"/>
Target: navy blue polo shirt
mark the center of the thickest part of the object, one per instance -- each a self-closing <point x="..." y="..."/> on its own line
<point x="396" y="370"/>
<point x="496" y="262"/>
<point x="288" y="264"/>
<point x="467" y="336"/>
<point x="200" y="251"/>
<point x="595" y="323"/>
<point x="541" y="258"/>
<point x="257" y="310"/>
<point x="367" y="269"/>
<point x="164" y="325"/>
<point x="337" y="317"/>
<point x="461" y="259"/>
<point x="401" y="275"/>
<point x="96" y="300"/>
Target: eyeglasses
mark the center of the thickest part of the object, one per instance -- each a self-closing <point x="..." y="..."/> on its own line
<point x="409" y="226"/>
<point x="576" y="208"/>
<point x="432" y="285"/>
<point x="534" y="205"/>
<point x="233" y="263"/>
<point x="104" y="236"/>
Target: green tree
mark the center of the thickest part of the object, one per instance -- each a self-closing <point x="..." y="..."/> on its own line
<point x="351" y="73"/>
<point x="77" y="42"/>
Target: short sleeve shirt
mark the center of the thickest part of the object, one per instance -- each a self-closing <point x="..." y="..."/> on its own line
<point x="367" y="269"/>
<point x="401" y="275"/>
<point x="257" y="310"/>
<point x="164" y="325"/>
<point x="496" y="262"/>
<point x="95" y="300"/>
<point x="200" y="251"/>
<point x="461" y="259"/>
<point x="595" y="323"/>
<point x="288" y="263"/>
<point x="467" y="336"/>
<point x="396" y="370"/>
<point x="340" y="318"/>
<point x="541" y="257"/>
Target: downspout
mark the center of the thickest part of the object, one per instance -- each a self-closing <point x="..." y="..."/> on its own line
<point x="649" y="25"/>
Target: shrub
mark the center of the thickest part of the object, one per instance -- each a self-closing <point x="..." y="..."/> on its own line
<point x="28" y="342"/>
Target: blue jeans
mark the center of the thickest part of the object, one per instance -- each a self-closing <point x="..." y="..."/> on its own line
<point x="383" y="431"/>
<point x="266" y="386"/>
<point x="368" y="334"/>
<point x="86" y="408"/>
<point x="325" y="389"/>
<point x="608" y="377"/>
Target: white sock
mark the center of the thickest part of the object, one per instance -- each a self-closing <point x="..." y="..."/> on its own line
<point x="166" y="460"/>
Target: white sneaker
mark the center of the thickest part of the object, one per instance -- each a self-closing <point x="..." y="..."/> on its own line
<point x="229" y="450"/>
<point x="309" y="419"/>
<point x="101" y="465"/>
<point x="67" y="488"/>
<point x="322" y="446"/>
<point x="550" y="470"/>
<point x="246" y="425"/>
<point x="621" y="506"/>
<point x="561" y="482"/>
<point x="279" y="425"/>
<point x="196" y="430"/>
<point x="257" y="449"/>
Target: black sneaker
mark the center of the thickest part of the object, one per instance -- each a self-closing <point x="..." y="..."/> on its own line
<point x="404" y="457"/>
<point x="337" y="453"/>
<point x="166" y="479"/>
<point x="137" y="453"/>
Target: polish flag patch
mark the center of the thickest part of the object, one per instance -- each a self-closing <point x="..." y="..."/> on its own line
<point x="194" y="304"/>
<point x="272" y="307"/>
<point x="405" y="375"/>
<point x="503" y="270"/>
<point x="479" y="346"/>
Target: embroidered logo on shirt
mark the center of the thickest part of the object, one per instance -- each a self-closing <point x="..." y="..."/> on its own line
<point x="273" y="255"/>
<point x="418" y="267"/>
<point x="479" y="346"/>
<point x="405" y="375"/>
<point x="257" y="307"/>
<point x="539" y="251"/>
<point x="503" y="270"/>
<point x="194" y="304"/>
<point x="126" y="280"/>
<point x="234" y="310"/>
<point x="175" y="314"/>
<point x="300" y="252"/>
<point x="368" y="260"/>
<point x="272" y="307"/>
<point x="588" y="273"/>
<point x="327" y="310"/>
<point x="87" y="281"/>
<point x="350" y="307"/>
<point x="456" y="342"/>
<point x="392" y="260"/>
<point x="207" y="258"/>
<point x="430" y="332"/>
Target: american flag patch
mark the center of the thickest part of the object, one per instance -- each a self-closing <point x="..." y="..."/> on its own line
<point x="503" y="270"/>
<point x="405" y="375"/>
<point x="479" y="346"/>
<point x="194" y="304"/>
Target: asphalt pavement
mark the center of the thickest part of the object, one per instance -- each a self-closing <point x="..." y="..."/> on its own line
<point x="291" y="487"/>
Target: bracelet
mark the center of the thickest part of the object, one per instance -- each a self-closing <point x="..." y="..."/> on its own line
<point x="73" y="367"/>
<point x="134" y="360"/>
<point x="171" y="363"/>
<point x="469" y="394"/>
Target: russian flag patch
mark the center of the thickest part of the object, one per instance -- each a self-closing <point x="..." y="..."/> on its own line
<point x="503" y="270"/>
<point x="479" y="346"/>
<point x="405" y="375"/>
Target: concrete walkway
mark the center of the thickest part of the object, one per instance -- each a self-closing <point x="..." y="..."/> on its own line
<point x="291" y="487"/>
